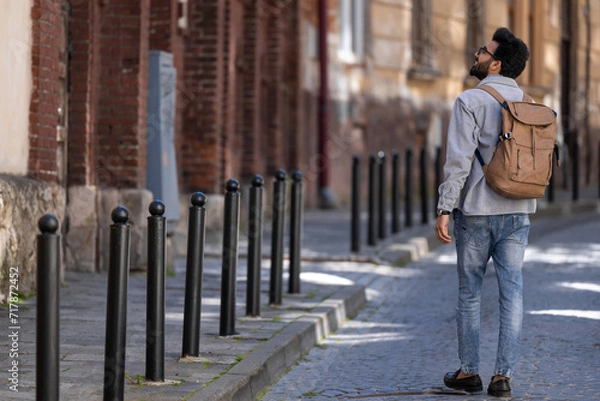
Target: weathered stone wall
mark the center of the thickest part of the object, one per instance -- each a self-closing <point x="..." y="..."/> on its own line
<point x="89" y="217"/>
<point x="22" y="202"/>
<point x="214" y="224"/>
<point x="136" y="201"/>
<point x="81" y="242"/>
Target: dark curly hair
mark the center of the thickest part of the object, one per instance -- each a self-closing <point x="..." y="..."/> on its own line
<point x="511" y="51"/>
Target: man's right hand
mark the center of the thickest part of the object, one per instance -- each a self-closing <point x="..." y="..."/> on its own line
<point x="441" y="229"/>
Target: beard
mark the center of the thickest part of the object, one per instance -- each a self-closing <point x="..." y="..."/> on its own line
<point x="480" y="70"/>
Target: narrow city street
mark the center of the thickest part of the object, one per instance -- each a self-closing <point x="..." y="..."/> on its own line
<point x="402" y="343"/>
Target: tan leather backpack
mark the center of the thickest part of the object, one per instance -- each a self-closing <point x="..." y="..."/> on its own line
<point x="521" y="166"/>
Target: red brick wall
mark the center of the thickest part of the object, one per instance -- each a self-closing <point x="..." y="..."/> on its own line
<point x="249" y="99"/>
<point x="233" y="10"/>
<point x="163" y="21"/>
<point x="236" y="74"/>
<point x="270" y="87"/>
<point x="84" y="72"/>
<point x="309" y="162"/>
<point x="237" y="99"/>
<point x="121" y="159"/>
<point x="263" y="132"/>
<point x="291" y="84"/>
<point x="45" y="15"/>
<point x="203" y="70"/>
<point x="279" y="105"/>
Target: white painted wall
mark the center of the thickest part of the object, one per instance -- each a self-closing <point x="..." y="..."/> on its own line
<point x="15" y="85"/>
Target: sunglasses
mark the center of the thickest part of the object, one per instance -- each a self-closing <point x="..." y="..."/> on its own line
<point x="484" y="49"/>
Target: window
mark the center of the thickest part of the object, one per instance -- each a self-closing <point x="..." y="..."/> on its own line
<point x="352" y="29"/>
<point x="421" y="43"/>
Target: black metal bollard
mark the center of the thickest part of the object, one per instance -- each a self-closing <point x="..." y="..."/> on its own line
<point x="437" y="177"/>
<point x="295" y="232"/>
<point x="47" y="312"/>
<point x="355" y="224"/>
<point x="373" y="203"/>
<point x="575" y="170"/>
<point x="395" y="192"/>
<point x="382" y="195"/>
<point x="423" y="186"/>
<point x="255" y="233"/>
<point x="193" y="276"/>
<point x="275" y="291"/>
<point x="231" y="227"/>
<point x="155" y="293"/>
<point x="116" y="307"/>
<point x="409" y="189"/>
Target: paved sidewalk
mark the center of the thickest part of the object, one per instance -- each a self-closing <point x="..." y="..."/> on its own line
<point x="400" y="345"/>
<point x="333" y="283"/>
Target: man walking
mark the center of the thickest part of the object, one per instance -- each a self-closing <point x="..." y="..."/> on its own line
<point x="486" y="225"/>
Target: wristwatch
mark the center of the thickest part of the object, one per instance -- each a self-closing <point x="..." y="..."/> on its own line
<point x="442" y="212"/>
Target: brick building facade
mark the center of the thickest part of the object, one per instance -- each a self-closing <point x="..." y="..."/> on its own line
<point x="246" y="98"/>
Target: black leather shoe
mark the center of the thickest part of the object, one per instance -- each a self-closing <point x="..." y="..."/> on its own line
<point x="471" y="384"/>
<point x="500" y="388"/>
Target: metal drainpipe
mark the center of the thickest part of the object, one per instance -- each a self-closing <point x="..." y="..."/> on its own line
<point x="325" y="195"/>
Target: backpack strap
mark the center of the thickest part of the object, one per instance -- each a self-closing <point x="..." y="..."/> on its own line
<point x="492" y="92"/>
<point x="498" y="96"/>
<point x="478" y="155"/>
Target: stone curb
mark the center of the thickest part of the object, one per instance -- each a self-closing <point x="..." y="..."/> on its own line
<point x="247" y="379"/>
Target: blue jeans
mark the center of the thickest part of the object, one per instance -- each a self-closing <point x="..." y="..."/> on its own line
<point x="504" y="239"/>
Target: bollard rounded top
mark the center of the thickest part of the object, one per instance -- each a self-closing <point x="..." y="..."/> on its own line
<point x="156" y="208"/>
<point x="198" y="199"/>
<point x="120" y="214"/>
<point x="258" y="181"/>
<point x="297" y="176"/>
<point x="381" y="154"/>
<point x="280" y="175"/>
<point x="356" y="159"/>
<point x="373" y="158"/>
<point x="232" y="185"/>
<point x="395" y="153"/>
<point x="48" y="224"/>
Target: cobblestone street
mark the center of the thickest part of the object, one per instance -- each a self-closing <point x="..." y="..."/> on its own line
<point x="402" y="343"/>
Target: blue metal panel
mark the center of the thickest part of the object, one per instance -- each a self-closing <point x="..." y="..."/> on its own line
<point x="161" y="166"/>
